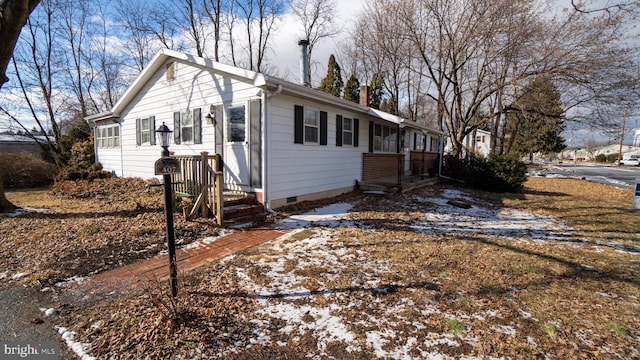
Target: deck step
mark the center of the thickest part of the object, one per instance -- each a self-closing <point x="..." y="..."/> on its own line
<point x="243" y="210"/>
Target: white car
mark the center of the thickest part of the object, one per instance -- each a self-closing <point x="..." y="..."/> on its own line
<point x="630" y="162"/>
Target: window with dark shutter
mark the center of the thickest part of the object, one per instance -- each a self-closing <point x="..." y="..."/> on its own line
<point x="145" y="131"/>
<point x="298" y="127"/>
<point x="356" y="132"/>
<point x="347" y="131"/>
<point x="138" y="132"/>
<point x="323" y="128"/>
<point x="197" y="126"/>
<point x="152" y="130"/>
<point x="338" y="130"/>
<point x="176" y="128"/>
<point x="371" y="131"/>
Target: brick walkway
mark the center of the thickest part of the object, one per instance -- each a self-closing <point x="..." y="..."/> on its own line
<point x="130" y="278"/>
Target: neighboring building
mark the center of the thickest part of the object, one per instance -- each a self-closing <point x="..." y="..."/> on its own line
<point x="282" y="141"/>
<point x="478" y="143"/>
<point x="582" y="154"/>
<point x="12" y="143"/>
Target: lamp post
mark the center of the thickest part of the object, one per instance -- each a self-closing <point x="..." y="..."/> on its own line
<point x="164" y="138"/>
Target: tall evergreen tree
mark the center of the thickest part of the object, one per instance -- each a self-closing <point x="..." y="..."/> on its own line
<point x="376" y="90"/>
<point x="332" y="83"/>
<point x="536" y="120"/>
<point x="352" y="89"/>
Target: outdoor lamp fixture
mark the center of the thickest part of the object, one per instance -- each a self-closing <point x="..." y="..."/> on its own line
<point x="211" y="116"/>
<point x="166" y="166"/>
<point x="164" y="138"/>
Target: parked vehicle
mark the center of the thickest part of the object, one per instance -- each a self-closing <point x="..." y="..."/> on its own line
<point x="629" y="162"/>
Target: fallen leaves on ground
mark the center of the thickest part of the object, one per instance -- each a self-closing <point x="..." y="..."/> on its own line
<point x="402" y="276"/>
<point x="80" y="228"/>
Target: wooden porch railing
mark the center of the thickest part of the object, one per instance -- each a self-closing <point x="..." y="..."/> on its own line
<point x="201" y="178"/>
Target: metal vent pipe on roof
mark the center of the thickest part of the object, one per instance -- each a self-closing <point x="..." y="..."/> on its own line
<point x="304" y="62"/>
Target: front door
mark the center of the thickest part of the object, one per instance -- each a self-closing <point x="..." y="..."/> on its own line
<point x="236" y="148"/>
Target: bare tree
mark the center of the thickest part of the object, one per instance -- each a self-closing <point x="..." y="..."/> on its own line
<point x="610" y="7"/>
<point x="14" y="14"/>
<point x="140" y="45"/>
<point x="34" y="68"/>
<point x="213" y="8"/>
<point x="191" y="23"/>
<point x="318" y="22"/>
<point x="471" y="58"/>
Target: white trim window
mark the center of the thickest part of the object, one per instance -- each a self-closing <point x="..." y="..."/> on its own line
<point x="385" y="139"/>
<point x="145" y="131"/>
<point x="347" y="131"/>
<point x="311" y="126"/>
<point x="108" y="136"/>
<point x="390" y="139"/>
<point x="237" y="124"/>
<point x="419" y="142"/>
<point x="186" y="127"/>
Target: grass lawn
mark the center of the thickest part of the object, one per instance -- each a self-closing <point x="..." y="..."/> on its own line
<point x="553" y="272"/>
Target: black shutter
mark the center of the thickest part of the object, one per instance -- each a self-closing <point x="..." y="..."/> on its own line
<point x="138" y="132"/>
<point x="176" y="128"/>
<point x="298" y="124"/>
<point x="197" y="126"/>
<point x="415" y="141"/>
<point x="356" y="132"/>
<point x="323" y="128"/>
<point x="152" y="130"/>
<point x="338" y="130"/>
<point x="371" y="125"/>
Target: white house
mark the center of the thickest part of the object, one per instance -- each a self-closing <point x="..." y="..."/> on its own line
<point x="478" y="143"/>
<point x="282" y="141"/>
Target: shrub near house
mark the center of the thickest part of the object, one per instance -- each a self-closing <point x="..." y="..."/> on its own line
<point x="496" y="173"/>
<point x="25" y="170"/>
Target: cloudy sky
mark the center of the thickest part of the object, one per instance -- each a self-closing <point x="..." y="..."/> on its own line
<point x="286" y="53"/>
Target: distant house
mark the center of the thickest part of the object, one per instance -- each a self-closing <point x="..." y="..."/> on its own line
<point x="282" y="141"/>
<point x="12" y="143"/>
<point x="478" y="143"/>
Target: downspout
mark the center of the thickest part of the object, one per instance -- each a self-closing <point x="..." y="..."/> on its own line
<point x="266" y="96"/>
<point x="121" y="151"/>
<point x="399" y="152"/>
<point x="424" y="150"/>
<point x="440" y="153"/>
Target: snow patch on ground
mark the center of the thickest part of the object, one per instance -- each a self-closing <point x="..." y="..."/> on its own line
<point x="329" y="216"/>
<point x="79" y="348"/>
<point x="206" y="241"/>
<point x="445" y="218"/>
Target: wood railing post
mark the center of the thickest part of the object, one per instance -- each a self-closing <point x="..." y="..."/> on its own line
<point x="204" y="163"/>
<point x="218" y="188"/>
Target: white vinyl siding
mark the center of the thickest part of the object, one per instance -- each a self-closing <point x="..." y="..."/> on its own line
<point x="192" y="88"/>
<point x="295" y="170"/>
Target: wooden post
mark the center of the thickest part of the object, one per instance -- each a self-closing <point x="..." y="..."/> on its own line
<point x="218" y="185"/>
<point x="204" y="166"/>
